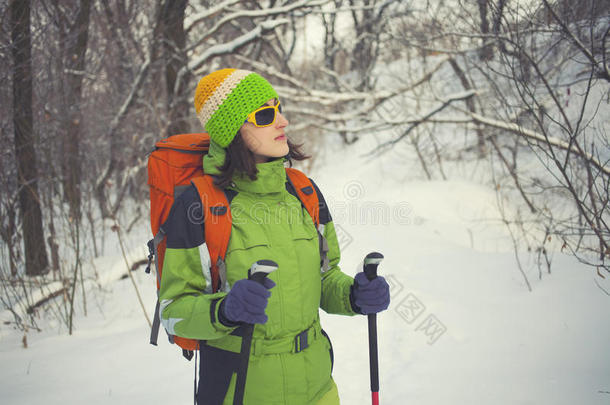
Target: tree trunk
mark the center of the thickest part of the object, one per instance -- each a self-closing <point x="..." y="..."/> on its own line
<point x="74" y="69"/>
<point x="363" y="52"/>
<point x="36" y="262"/>
<point x="174" y="42"/>
<point x="486" y="51"/>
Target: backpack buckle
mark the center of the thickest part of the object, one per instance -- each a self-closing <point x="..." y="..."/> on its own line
<point x="151" y="254"/>
<point x="300" y="342"/>
<point x="188" y="354"/>
<point x="307" y="190"/>
<point x="218" y="210"/>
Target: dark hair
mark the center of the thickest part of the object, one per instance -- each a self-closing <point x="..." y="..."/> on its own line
<point x="241" y="159"/>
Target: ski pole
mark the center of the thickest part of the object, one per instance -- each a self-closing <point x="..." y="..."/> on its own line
<point x="371" y="261"/>
<point x="257" y="272"/>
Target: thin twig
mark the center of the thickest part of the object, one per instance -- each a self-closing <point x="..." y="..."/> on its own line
<point x="117" y="229"/>
<point x="446" y="102"/>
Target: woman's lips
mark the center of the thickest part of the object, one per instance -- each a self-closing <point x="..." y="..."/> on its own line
<point x="280" y="138"/>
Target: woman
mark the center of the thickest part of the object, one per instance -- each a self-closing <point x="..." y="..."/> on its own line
<point x="291" y="357"/>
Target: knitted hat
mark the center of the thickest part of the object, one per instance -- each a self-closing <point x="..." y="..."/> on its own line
<point x="225" y="98"/>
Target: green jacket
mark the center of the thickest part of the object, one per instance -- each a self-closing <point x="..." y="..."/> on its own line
<point x="269" y="222"/>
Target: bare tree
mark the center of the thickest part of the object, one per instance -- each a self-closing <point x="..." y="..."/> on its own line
<point x="73" y="27"/>
<point x="173" y="39"/>
<point x="486" y="51"/>
<point x="369" y="23"/>
<point x="36" y="261"/>
<point x="539" y="98"/>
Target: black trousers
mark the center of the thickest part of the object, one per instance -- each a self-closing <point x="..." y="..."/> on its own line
<point x="216" y="367"/>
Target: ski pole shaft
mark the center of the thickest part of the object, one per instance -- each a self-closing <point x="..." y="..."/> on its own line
<point x="371" y="261"/>
<point x="373" y="359"/>
<point x="257" y="272"/>
<point x="240" y="382"/>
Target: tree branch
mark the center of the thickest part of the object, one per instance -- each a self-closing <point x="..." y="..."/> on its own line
<point x="604" y="73"/>
<point x="519" y="130"/>
<point x="445" y="104"/>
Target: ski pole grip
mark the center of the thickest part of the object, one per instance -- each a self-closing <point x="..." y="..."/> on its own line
<point x="371" y="261"/>
<point x="261" y="269"/>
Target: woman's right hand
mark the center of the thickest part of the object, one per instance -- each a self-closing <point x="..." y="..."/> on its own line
<point x="246" y="302"/>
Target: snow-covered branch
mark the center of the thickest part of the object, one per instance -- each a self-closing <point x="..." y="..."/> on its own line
<point x="273" y="72"/>
<point x="80" y="73"/>
<point x="267" y="12"/>
<point x="446" y="102"/>
<point x="533" y="135"/>
<point x="226" y="48"/>
<point x="329" y="98"/>
<point x="352" y="8"/>
<point x="232" y="46"/>
<point x="377" y="126"/>
<point x="192" y="20"/>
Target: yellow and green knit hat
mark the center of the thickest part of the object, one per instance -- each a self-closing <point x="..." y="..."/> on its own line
<point x="225" y="98"/>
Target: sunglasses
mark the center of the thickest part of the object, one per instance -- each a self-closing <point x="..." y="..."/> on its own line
<point x="264" y="116"/>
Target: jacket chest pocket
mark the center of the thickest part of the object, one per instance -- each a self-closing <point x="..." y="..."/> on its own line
<point x="246" y="246"/>
<point x="306" y="244"/>
<point x="303" y="232"/>
<point x="302" y="226"/>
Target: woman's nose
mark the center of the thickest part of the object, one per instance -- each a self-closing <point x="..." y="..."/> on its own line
<point x="281" y="120"/>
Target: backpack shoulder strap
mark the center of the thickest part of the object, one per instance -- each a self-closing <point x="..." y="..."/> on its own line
<point x="306" y="193"/>
<point x="310" y="199"/>
<point x="217" y="224"/>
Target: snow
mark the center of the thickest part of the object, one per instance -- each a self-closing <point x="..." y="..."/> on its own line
<point x="462" y="326"/>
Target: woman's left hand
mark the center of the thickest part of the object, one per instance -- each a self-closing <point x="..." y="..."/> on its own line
<point x="369" y="296"/>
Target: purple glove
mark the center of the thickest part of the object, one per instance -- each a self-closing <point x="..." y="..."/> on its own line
<point x="369" y="297"/>
<point x="245" y="303"/>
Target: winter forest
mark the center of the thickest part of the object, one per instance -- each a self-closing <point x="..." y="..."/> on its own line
<point x="467" y="140"/>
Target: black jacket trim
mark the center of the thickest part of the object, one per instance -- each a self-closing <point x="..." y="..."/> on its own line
<point x="325" y="216"/>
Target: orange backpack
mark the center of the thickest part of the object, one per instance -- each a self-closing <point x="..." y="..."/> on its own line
<point x="175" y="164"/>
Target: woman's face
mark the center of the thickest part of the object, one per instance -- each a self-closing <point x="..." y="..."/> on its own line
<point x="266" y="142"/>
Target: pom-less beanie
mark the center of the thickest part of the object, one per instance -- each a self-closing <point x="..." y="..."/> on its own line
<point x="225" y="98"/>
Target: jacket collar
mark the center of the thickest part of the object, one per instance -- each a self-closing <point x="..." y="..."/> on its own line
<point x="271" y="176"/>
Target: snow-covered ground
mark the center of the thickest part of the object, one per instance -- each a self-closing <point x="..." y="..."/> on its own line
<point x="462" y="327"/>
